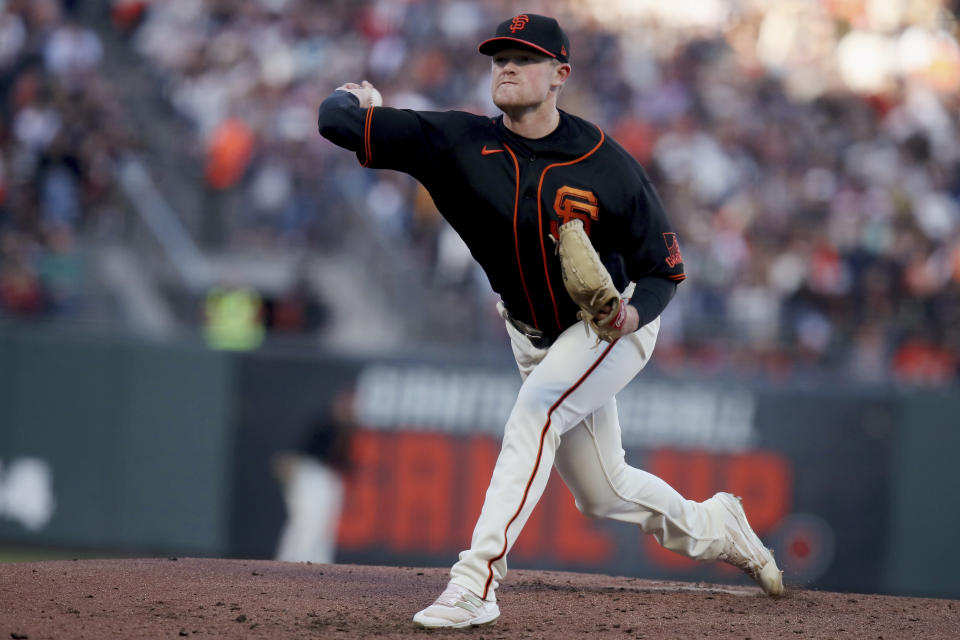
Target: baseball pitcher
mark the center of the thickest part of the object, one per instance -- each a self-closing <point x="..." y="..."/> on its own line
<point x="574" y="239"/>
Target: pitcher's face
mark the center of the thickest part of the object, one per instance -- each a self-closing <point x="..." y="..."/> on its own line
<point x="521" y="78"/>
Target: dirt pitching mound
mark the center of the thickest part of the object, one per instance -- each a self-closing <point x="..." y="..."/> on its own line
<point x="207" y="598"/>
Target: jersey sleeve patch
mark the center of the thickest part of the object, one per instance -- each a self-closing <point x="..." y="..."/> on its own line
<point x="673" y="250"/>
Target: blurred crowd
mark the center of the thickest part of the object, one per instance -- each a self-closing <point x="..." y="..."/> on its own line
<point x="61" y="130"/>
<point x="807" y="152"/>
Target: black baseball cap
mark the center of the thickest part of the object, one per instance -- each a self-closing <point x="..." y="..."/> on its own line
<point x="529" y="31"/>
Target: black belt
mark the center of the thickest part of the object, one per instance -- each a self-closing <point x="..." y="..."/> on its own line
<point x="537" y="338"/>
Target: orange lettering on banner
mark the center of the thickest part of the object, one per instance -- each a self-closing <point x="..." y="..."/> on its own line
<point x="361" y="505"/>
<point x="415" y="492"/>
<point x="423" y="488"/>
<point x="765" y="482"/>
<point x="692" y="473"/>
<point x="762" y="478"/>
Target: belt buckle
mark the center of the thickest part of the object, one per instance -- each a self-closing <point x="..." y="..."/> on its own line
<point x="541" y="342"/>
<point x="536" y="337"/>
<point x="527" y="330"/>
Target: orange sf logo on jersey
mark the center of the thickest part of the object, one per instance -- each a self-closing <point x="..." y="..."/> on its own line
<point x="573" y="203"/>
<point x="519" y="23"/>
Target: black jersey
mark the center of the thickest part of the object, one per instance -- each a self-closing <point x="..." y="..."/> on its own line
<point x="505" y="195"/>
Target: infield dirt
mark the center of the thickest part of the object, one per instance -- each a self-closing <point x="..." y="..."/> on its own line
<point x="213" y="598"/>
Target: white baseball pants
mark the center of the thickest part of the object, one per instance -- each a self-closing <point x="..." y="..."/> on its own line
<point x="566" y="415"/>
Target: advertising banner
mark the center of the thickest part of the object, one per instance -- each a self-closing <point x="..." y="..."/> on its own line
<point x="812" y="471"/>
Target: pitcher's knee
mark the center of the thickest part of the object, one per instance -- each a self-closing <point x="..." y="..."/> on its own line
<point x="597" y="506"/>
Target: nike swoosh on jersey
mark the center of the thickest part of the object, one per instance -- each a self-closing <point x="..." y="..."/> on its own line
<point x="487" y="152"/>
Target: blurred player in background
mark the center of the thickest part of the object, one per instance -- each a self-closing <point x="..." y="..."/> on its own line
<point x="505" y="185"/>
<point x="312" y="481"/>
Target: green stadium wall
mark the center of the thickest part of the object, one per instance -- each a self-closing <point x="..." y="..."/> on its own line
<point x="135" y="434"/>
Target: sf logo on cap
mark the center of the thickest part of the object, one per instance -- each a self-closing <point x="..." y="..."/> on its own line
<point x="519" y="23"/>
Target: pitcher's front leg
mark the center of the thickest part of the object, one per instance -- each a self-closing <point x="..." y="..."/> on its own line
<point x="519" y="478"/>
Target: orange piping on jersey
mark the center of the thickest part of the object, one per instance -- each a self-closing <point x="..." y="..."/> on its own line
<point x="543" y="248"/>
<point x="516" y="236"/>
<point x="366" y="138"/>
<point x="678" y="277"/>
<point x="536" y="466"/>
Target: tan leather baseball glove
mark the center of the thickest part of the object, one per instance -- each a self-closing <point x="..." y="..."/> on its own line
<point x="588" y="282"/>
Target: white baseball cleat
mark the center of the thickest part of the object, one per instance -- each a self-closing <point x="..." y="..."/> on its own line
<point x="743" y="548"/>
<point x="457" y="607"/>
